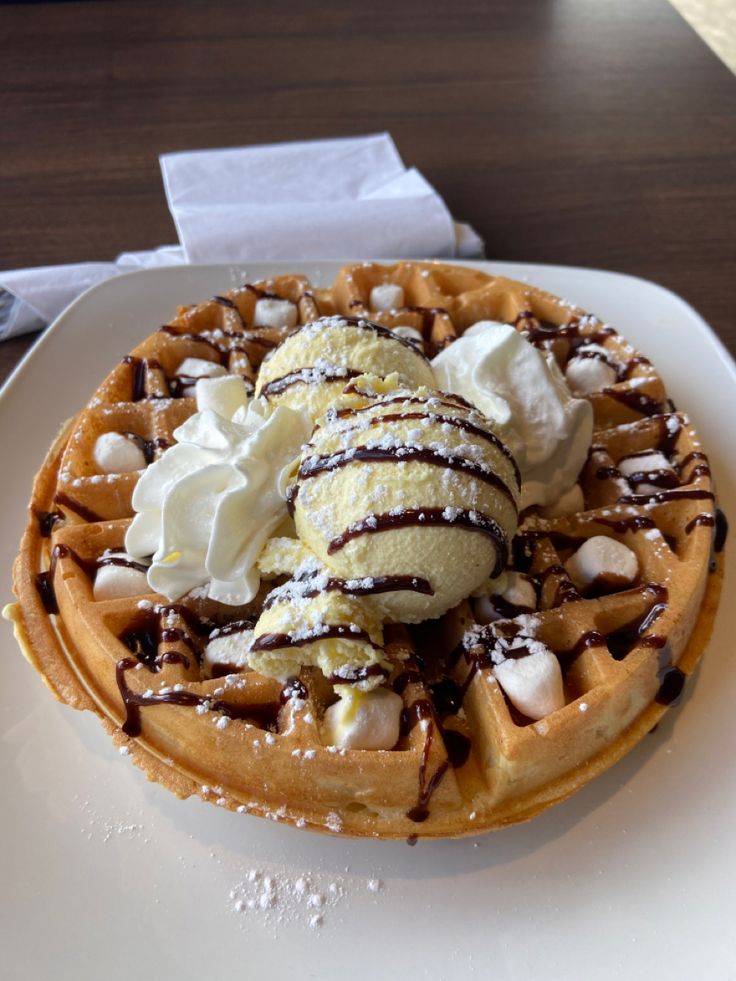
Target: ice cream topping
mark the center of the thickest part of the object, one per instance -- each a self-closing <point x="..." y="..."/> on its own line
<point x="411" y="484"/>
<point x="205" y="508"/>
<point x="312" y="366"/>
<point x="526" y="397"/>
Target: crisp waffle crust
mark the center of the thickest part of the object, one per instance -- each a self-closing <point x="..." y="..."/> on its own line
<point x="472" y="762"/>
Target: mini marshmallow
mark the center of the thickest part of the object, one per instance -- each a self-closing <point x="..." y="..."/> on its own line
<point x="586" y="375"/>
<point x="230" y="651"/>
<point x="386" y="296"/>
<point x="532" y="683"/>
<point x="198" y="368"/>
<point x="119" y="581"/>
<point x="603" y="557"/>
<point x="410" y="334"/>
<point x="647" y="463"/>
<point x="571" y="502"/>
<point x="511" y="587"/>
<point x="363" y="720"/>
<point x="115" y="453"/>
<point x="223" y="394"/>
<point x="270" y="312"/>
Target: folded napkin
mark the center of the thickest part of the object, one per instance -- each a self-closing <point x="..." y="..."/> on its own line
<point x="323" y="199"/>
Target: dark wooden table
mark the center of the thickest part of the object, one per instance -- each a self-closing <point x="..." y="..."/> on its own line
<point x="566" y="131"/>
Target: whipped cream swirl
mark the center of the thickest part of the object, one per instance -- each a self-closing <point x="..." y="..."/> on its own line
<point x="524" y="393"/>
<point x="207" y="506"/>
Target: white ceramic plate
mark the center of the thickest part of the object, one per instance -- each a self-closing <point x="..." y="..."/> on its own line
<point x="107" y="876"/>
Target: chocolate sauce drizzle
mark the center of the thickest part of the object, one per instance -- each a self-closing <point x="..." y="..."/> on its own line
<point x="147" y="447"/>
<point x="302" y="376"/>
<point x="469" y="520"/>
<point x="328" y="631"/>
<point x="315" y="465"/>
<point x="621" y="642"/>
<point x="47" y="520"/>
<point x="139" y="376"/>
<point x="367" y="586"/>
<point x="263" y="714"/>
<point x="463" y="424"/>
<point x="339" y="320"/>
<point x="85" y="513"/>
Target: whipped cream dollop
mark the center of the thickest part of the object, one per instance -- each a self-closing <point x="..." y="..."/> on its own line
<point x="525" y="394"/>
<point x="207" y="506"/>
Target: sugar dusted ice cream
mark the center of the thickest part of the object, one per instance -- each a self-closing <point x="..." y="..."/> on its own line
<point x="410" y="490"/>
<point x="313" y="365"/>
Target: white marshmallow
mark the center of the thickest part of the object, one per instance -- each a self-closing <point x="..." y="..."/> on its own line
<point x="200" y="368"/>
<point x="602" y="556"/>
<point x="513" y="588"/>
<point x="115" y="453"/>
<point x="645" y="464"/>
<point x="484" y="611"/>
<point x="363" y="720"/>
<point x="386" y="296"/>
<point x="224" y="395"/>
<point x="519" y="591"/>
<point x="270" y="312"/>
<point x="119" y="582"/>
<point x="410" y="334"/>
<point x="230" y="650"/>
<point x="586" y="375"/>
<point x="532" y="683"/>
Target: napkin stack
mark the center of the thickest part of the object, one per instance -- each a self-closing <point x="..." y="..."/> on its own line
<point x="324" y="199"/>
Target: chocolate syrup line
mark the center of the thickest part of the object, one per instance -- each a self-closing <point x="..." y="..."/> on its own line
<point x="46" y="521"/>
<point x="355" y="587"/>
<point x="462" y="424"/>
<point x="225" y="301"/>
<point x="45" y="580"/>
<point x="235" y="627"/>
<point x="84" y="512"/>
<point x="635" y="400"/>
<point x="353" y="674"/>
<point x="275" y="641"/>
<point x="112" y="559"/>
<point x="264" y="715"/>
<point x="139" y="376"/>
<point x="339" y="320"/>
<point x="545" y="330"/>
<point x="279" y="385"/>
<point x="147" y="447"/>
<point x="262" y="294"/>
<point x="419" y="710"/>
<point x="677" y="494"/>
<point x="313" y="466"/>
<point x="671" y="687"/>
<point x="467" y="520"/>
<point x="705" y="519"/>
<point x="247" y="336"/>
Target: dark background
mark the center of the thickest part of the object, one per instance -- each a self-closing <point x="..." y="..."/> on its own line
<point x="580" y="132"/>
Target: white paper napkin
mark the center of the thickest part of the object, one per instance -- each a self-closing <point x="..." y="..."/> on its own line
<point x="324" y="199"/>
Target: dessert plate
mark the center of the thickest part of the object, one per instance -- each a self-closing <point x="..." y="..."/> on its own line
<point x="103" y="872"/>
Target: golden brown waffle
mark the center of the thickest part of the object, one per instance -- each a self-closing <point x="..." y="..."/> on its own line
<point x="467" y="760"/>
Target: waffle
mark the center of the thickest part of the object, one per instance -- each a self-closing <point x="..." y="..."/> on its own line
<point x="467" y="759"/>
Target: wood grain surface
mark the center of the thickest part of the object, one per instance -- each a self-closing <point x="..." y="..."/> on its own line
<point x="566" y="131"/>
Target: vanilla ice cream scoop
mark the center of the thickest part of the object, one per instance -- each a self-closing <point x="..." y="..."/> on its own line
<point x="412" y="488"/>
<point x="309" y="369"/>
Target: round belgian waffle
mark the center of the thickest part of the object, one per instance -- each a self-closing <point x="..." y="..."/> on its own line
<point x="467" y="760"/>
